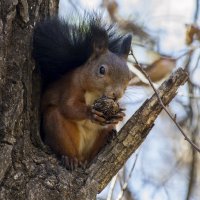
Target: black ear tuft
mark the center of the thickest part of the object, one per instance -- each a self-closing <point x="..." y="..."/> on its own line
<point x="126" y="46"/>
<point x="62" y="45"/>
<point x="99" y="41"/>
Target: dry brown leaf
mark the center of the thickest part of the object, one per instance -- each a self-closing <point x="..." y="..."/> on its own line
<point x="192" y="33"/>
<point x="127" y="25"/>
<point x="160" y="69"/>
<point x="157" y="71"/>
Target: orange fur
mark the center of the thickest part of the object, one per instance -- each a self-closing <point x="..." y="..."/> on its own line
<point x="69" y="124"/>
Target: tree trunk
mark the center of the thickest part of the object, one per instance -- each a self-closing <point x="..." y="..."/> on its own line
<point x="28" y="169"/>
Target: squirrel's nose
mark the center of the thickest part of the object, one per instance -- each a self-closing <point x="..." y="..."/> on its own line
<point x="115" y="94"/>
<point x="118" y="95"/>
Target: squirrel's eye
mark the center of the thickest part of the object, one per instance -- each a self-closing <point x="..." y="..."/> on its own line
<point x="102" y="70"/>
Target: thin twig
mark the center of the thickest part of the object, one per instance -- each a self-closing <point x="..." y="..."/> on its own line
<point x="126" y="183"/>
<point x="197" y="64"/>
<point x="122" y="177"/>
<point x="74" y="5"/>
<point x="196" y="11"/>
<point x="191" y="96"/>
<point x="186" y="53"/>
<point x="193" y="119"/>
<point x="189" y="51"/>
<point x="164" y="108"/>
<point x="112" y="187"/>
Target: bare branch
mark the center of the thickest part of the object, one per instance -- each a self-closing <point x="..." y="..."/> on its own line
<point x="164" y="108"/>
<point x="127" y="25"/>
<point x="112" y="187"/>
<point x="126" y="183"/>
<point x="131" y="136"/>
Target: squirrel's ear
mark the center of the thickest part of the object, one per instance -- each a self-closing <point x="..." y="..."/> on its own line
<point x="125" y="46"/>
<point x="100" y="45"/>
<point x="99" y="42"/>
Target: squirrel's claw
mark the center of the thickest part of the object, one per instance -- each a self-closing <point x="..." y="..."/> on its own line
<point x="73" y="163"/>
<point x="111" y="135"/>
<point x="98" y="117"/>
<point x="97" y="112"/>
<point x="83" y="164"/>
<point x="119" y="116"/>
<point x="99" y="120"/>
<point x="69" y="163"/>
<point x="112" y="121"/>
<point x="116" y="118"/>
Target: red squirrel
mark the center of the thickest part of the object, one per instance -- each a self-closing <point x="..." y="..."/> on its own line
<point x="79" y="62"/>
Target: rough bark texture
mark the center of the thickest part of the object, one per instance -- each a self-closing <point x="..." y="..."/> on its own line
<point x="131" y="136"/>
<point x="28" y="169"/>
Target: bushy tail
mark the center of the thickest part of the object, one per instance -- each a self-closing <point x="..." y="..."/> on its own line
<point x="60" y="45"/>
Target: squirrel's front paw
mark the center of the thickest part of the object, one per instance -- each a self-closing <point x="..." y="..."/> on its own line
<point x="115" y="119"/>
<point x="98" y="117"/>
<point x="120" y="115"/>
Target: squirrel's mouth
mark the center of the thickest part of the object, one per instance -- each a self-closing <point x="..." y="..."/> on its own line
<point x="110" y="97"/>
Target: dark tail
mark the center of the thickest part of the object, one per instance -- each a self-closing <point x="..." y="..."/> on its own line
<point x="60" y="45"/>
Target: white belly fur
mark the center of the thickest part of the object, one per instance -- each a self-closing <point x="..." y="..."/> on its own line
<point x="89" y="131"/>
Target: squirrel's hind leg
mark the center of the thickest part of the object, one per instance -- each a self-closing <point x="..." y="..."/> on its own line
<point x="73" y="163"/>
<point x="105" y="136"/>
<point x="62" y="136"/>
<point x="111" y="135"/>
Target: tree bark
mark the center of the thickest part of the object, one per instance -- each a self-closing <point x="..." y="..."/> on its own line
<point x="28" y="169"/>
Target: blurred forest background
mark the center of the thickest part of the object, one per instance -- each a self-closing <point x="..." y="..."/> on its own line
<point x="166" y="35"/>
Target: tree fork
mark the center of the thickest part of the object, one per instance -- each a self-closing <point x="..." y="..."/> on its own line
<point x="28" y="169"/>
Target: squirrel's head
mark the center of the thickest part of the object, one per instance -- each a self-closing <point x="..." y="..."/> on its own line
<point x="107" y="73"/>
